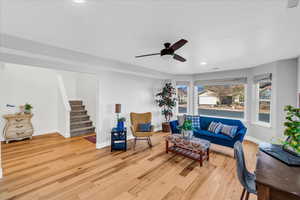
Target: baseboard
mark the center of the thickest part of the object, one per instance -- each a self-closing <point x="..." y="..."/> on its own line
<point x="45" y="133"/>
<point x="1" y="173"/>
<point x="253" y="139"/>
<point x="102" y="145"/>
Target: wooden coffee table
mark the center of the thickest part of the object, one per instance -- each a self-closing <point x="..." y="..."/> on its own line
<point x="194" y="148"/>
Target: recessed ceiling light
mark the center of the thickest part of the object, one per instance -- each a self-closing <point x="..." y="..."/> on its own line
<point x="79" y="1"/>
<point x="203" y="63"/>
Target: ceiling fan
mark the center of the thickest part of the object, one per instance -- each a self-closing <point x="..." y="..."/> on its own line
<point x="293" y="3"/>
<point x="169" y="50"/>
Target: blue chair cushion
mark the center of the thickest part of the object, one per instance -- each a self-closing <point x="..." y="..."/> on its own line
<point x="144" y="127"/>
<point x="195" y="121"/>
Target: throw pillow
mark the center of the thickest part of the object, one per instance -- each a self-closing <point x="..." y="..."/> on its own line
<point x="215" y="127"/>
<point x="181" y="119"/>
<point x="229" y="130"/>
<point x="144" y="127"/>
<point x="195" y="121"/>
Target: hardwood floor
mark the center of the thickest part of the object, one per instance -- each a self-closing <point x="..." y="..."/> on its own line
<point x="51" y="167"/>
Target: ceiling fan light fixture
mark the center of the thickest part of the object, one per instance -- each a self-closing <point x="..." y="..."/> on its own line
<point x="292" y="3"/>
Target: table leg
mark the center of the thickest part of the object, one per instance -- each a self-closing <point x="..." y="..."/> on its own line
<point x="263" y="192"/>
<point x="167" y="146"/>
<point x="201" y="159"/>
<point x="111" y="144"/>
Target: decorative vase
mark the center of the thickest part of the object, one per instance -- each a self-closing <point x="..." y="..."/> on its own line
<point x="166" y="127"/>
<point x="22" y="109"/>
<point x="187" y="134"/>
<point x="120" y="125"/>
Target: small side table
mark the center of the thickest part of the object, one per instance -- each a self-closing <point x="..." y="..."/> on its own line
<point x="119" y="139"/>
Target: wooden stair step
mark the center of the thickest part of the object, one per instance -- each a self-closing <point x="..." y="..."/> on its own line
<point x="75" y="102"/>
<point x="79" y="118"/>
<point x="81" y="122"/>
<point x="82" y="131"/>
<point x="77" y="107"/>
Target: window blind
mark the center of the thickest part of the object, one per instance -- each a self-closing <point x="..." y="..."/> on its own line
<point x="187" y="83"/>
<point x="262" y="77"/>
<point x="230" y="81"/>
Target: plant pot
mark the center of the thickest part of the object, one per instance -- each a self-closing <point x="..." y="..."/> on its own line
<point x="27" y="112"/>
<point x="120" y="125"/>
<point x="187" y="134"/>
<point x="166" y="127"/>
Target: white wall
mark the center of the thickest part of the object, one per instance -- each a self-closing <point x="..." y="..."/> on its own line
<point x="87" y="91"/>
<point x="286" y="90"/>
<point x="70" y="82"/>
<point x="136" y="94"/>
<point x="37" y="86"/>
<point x="298" y="74"/>
<point x="1" y="112"/>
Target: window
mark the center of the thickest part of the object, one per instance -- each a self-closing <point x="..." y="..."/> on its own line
<point x="182" y="99"/>
<point x="264" y="88"/>
<point x="221" y="100"/>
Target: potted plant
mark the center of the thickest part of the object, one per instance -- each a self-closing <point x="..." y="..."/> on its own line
<point x="187" y="129"/>
<point x="292" y="144"/>
<point x="28" y="107"/>
<point x="121" y="122"/>
<point x="166" y="100"/>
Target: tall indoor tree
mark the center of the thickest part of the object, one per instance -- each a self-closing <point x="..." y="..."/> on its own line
<point x="166" y="100"/>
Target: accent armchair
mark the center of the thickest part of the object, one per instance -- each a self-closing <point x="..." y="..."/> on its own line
<point x="141" y="118"/>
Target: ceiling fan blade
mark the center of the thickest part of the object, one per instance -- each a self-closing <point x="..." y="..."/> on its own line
<point x="178" y="44"/>
<point x="152" y="54"/>
<point x="292" y="3"/>
<point x="179" y="58"/>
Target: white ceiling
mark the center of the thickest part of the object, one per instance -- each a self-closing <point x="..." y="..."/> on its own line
<point x="227" y="34"/>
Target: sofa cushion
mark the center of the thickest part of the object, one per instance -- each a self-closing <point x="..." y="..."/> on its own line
<point x="215" y="127"/>
<point x="181" y="119"/>
<point x="229" y="130"/>
<point x="205" y="122"/>
<point x="195" y="121"/>
<point x="211" y="135"/>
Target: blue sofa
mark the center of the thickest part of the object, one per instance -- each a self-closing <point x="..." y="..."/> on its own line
<point x="219" y="138"/>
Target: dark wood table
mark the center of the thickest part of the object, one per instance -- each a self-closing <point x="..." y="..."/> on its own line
<point x="276" y="180"/>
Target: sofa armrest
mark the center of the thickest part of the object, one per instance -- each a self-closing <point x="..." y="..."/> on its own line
<point x="240" y="134"/>
<point x="174" y="126"/>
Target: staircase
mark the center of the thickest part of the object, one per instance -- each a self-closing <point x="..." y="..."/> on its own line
<point x="80" y="121"/>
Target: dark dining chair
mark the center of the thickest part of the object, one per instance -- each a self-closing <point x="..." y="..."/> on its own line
<point x="246" y="178"/>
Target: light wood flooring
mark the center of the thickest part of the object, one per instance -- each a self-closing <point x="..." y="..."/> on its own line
<point x="51" y="167"/>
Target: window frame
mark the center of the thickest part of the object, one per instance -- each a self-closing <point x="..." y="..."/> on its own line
<point x="224" y="117"/>
<point x="257" y="103"/>
<point x="188" y="100"/>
